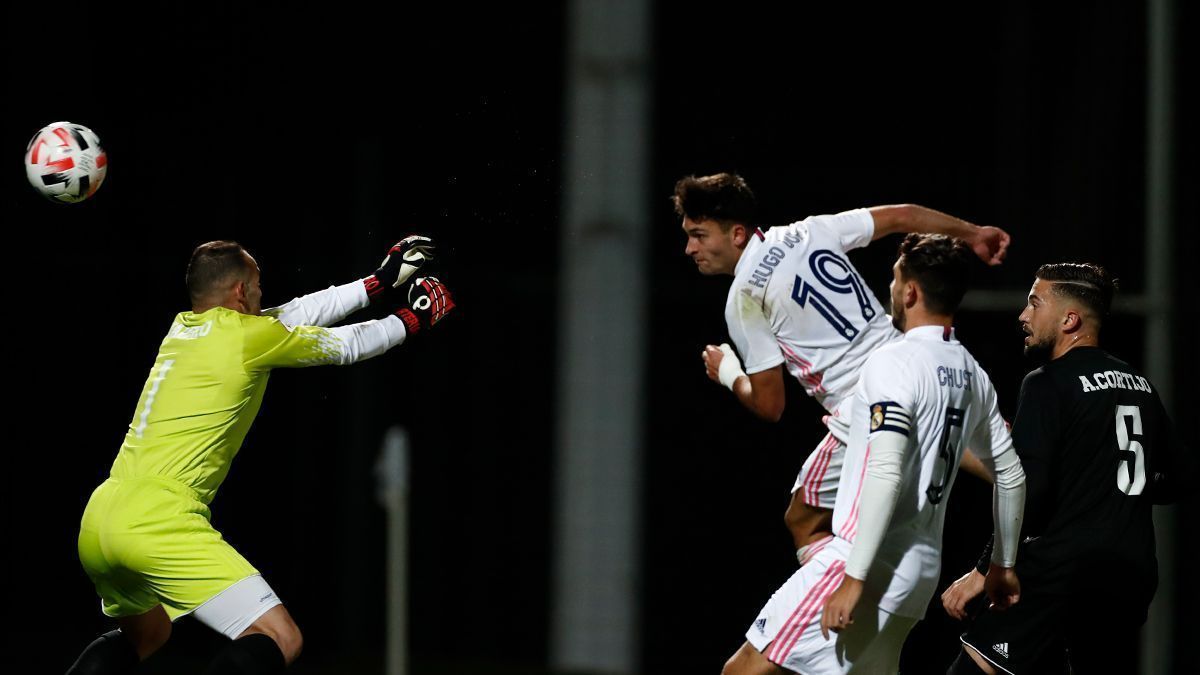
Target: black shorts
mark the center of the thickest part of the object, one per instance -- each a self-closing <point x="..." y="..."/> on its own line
<point x="1024" y="638"/>
<point x="1042" y="634"/>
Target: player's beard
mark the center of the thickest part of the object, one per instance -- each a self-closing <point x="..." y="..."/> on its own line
<point x="1039" y="349"/>
<point x="897" y="316"/>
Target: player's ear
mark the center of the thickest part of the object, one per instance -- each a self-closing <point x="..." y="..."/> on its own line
<point x="1072" y="321"/>
<point x="740" y="235"/>
<point x="239" y="291"/>
<point x="912" y="292"/>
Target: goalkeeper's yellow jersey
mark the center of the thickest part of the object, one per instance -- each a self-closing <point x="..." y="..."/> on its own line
<point x="205" y="390"/>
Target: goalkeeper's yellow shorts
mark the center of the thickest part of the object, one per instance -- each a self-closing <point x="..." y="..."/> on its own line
<point x="148" y="541"/>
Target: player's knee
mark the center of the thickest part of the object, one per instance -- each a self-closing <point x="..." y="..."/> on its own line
<point x="285" y="634"/>
<point x="731" y="666"/>
<point x="148" y="632"/>
<point x="743" y="661"/>
<point x="151" y="640"/>
<point x="965" y="665"/>
<point x="294" y="645"/>
<point x="290" y="642"/>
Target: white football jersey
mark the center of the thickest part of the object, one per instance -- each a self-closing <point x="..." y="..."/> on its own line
<point x="928" y="387"/>
<point x="796" y="299"/>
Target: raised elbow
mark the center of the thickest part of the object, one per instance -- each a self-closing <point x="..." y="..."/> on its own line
<point x="904" y="217"/>
<point x="896" y="218"/>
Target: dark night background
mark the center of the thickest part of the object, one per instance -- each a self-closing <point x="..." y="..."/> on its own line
<point x="318" y="133"/>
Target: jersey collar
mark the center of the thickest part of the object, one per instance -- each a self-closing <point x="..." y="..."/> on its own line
<point x="756" y="240"/>
<point x="939" y="333"/>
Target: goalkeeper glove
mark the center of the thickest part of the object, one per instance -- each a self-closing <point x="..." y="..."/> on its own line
<point x="402" y="261"/>
<point x="429" y="301"/>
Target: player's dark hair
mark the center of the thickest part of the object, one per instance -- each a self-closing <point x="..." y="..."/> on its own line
<point x="1087" y="283"/>
<point x="723" y="197"/>
<point x="940" y="265"/>
<point x="212" y="265"/>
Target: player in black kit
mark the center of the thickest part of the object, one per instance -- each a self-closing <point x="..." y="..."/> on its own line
<point x="1098" y="451"/>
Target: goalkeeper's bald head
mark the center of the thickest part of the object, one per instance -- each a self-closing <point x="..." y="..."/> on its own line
<point x="217" y="269"/>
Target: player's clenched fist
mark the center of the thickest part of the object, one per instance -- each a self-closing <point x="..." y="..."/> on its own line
<point x="403" y="260"/>
<point x="721" y="364"/>
<point x="990" y="244"/>
<point x="1002" y="586"/>
<point x="429" y="301"/>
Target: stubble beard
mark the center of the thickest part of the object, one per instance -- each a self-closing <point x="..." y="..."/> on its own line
<point x="1039" y="349"/>
<point x="897" y="317"/>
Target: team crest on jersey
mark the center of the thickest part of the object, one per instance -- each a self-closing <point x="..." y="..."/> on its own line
<point x="890" y="416"/>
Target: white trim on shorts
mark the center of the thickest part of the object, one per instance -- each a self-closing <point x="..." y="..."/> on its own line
<point x="236" y="608"/>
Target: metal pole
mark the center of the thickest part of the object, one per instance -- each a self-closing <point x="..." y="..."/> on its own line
<point x="391" y="473"/>
<point x="594" y="602"/>
<point x="1158" y="637"/>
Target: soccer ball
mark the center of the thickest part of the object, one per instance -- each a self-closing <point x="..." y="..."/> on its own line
<point x="65" y="162"/>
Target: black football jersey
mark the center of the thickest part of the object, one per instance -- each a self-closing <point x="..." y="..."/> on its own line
<point x="1098" y="451"/>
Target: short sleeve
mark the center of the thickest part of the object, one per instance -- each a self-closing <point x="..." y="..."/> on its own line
<point x="751" y="334"/>
<point x="269" y="343"/>
<point x="991" y="435"/>
<point x="852" y="229"/>
<point x="885" y="386"/>
<point x="1036" y="427"/>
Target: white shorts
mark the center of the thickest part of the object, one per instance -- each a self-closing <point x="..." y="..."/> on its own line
<point x="817" y="481"/>
<point x="236" y="608"/>
<point x="788" y="629"/>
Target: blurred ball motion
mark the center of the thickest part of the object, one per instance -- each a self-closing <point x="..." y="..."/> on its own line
<point x="65" y="163"/>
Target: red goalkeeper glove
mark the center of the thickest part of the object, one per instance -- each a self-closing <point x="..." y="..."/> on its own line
<point x="403" y="260"/>
<point x="429" y="301"/>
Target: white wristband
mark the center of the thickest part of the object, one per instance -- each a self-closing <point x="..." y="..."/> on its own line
<point x="730" y="369"/>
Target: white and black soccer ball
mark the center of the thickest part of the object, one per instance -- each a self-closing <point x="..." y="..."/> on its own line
<point x="65" y="163"/>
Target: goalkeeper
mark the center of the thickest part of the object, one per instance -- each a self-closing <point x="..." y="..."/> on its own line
<point x="145" y="539"/>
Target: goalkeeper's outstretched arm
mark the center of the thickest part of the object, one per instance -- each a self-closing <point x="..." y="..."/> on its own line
<point x="273" y="344"/>
<point x="323" y="308"/>
<point x="327" y="307"/>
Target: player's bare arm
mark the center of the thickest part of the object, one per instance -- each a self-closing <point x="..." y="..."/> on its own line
<point x="972" y="465"/>
<point x="989" y="243"/>
<point x="762" y="393"/>
<point x="964" y="589"/>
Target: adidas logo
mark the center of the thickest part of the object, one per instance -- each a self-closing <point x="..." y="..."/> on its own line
<point x="1001" y="649"/>
<point x="761" y="625"/>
